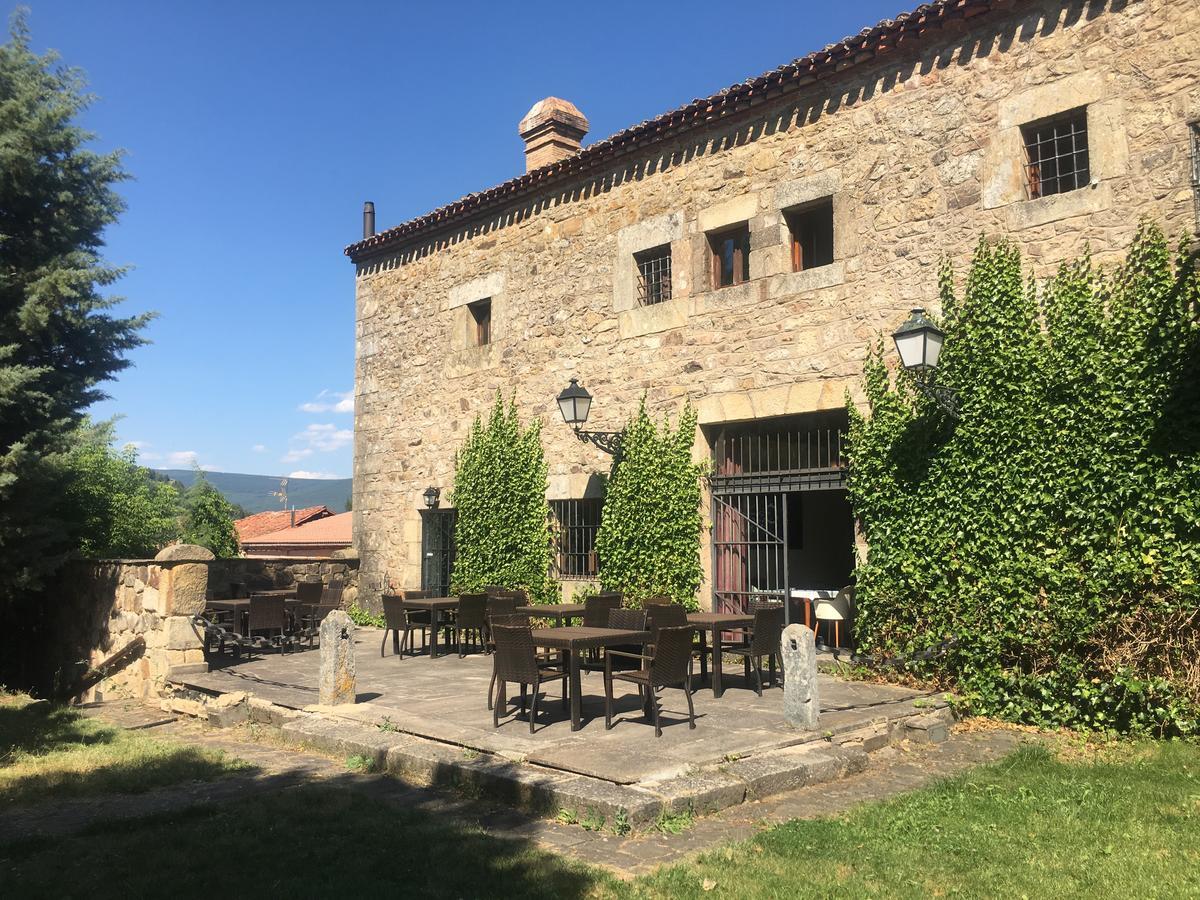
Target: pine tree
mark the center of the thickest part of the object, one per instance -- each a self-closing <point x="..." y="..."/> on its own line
<point x="59" y="340"/>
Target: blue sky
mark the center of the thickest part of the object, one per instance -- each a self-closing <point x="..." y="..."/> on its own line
<point x="255" y="130"/>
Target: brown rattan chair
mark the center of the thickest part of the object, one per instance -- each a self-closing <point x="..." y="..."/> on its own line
<point x="471" y="619"/>
<point x="626" y="620"/>
<point x="332" y="595"/>
<point x="672" y="615"/>
<point x="516" y="661"/>
<point x="657" y="600"/>
<point x="616" y="598"/>
<point x="762" y="640"/>
<point x="401" y="623"/>
<point x="514" y="618"/>
<point x="669" y="666"/>
<point x="268" y="614"/>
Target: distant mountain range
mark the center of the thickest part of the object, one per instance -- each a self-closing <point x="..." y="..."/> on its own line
<point x="253" y="492"/>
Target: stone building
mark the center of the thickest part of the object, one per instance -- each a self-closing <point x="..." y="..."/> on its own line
<point x="743" y="251"/>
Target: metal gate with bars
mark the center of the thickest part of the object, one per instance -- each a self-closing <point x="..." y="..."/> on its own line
<point x="758" y="468"/>
<point x="437" y="550"/>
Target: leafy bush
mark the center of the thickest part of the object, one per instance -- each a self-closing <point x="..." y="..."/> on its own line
<point x="1055" y="530"/>
<point x="121" y="509"/>
<point x="502" y="530"/>
<point x="209" y="519"/>
<point x="649" y="537"/>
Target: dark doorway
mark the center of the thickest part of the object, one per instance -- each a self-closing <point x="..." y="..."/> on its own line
<point x="437" y="550"/>
<point x="781" y="518"/>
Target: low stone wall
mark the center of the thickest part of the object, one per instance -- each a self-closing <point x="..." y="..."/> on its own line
<point x="101" y="606"/>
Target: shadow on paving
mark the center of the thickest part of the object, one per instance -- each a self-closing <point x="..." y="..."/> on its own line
<point x="314" y="840"/>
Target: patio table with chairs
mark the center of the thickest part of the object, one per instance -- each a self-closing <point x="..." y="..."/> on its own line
<point x="716" y="622"/>
<point x="439" y="609"/>
<point x="571" y="642"/>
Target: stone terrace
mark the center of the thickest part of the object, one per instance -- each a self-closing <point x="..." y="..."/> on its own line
<point x="428" y="721"/>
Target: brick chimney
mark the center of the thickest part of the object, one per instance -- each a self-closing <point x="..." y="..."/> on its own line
<point x="552" y="130"/>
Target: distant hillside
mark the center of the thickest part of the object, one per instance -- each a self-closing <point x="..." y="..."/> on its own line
<point x="254" y="491"/>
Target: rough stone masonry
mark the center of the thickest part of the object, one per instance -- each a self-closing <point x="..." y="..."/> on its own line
<point x="920" y="151"/>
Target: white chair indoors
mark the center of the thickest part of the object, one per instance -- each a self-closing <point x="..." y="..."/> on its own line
<point x="837" y="610"/>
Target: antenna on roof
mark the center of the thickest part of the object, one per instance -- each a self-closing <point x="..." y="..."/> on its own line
<point x="282" y="492"/>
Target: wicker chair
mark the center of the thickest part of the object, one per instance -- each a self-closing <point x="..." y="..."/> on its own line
<point x="672" y="615"/>
<point x="657" y="600"/>
<point x="332" y="595"/>
<point x="762" y="640"/>
<point x="471" y="618"/>
<point x="400" y="622"/>
<point x="627" y="620"/>
<point x="269" y="614"/>
<point x="517" y="661"/>
<point x="669" y="666"/>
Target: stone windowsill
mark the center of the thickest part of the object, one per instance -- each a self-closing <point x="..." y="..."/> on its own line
<point x="808" y="280"/>
<point x="643" y="320"/>
<point x="1085" y="201"/>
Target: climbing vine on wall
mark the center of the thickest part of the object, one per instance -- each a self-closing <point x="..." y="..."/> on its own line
<point x="649" y="536"/>
<point x="502" y="532"/>
<point x="1054" y="531"/>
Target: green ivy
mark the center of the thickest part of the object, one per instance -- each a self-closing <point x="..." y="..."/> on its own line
<point x="649" y="537"/>
<point x="1054" y="531"/>
<point x="502" y="531"/>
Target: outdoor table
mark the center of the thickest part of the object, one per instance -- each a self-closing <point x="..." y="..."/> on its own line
<point x="240" y="607"/>
<point x="571" y="641"/>
<point x="436" y="607"/>
<point x="556" y="611"/>
<point x="716" y="623"/>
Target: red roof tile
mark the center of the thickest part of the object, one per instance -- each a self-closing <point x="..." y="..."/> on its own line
<point x="328" y="530"/>
<point x="276" y="519"/>
<point x="903" y="32"/>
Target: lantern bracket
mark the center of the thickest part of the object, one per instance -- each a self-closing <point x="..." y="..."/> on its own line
<point x="943" y="397"/>
<point x="608" y="441"/>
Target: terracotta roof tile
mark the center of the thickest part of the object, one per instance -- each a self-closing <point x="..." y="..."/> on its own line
<point x="275" y="519"/>
<point x="889" y="35"/>
<point x="326" y="530"/>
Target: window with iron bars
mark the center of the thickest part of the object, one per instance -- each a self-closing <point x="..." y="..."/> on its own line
<point x="575" y="525"/>
<point x="1194" y="128"/>
<point x="1056" y="154"/>
<point x="654" y="275"/>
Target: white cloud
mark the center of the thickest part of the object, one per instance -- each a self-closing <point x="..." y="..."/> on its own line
<point x="259" y="448"/>
<point x="330" y="401"/>
<point x="317" y="438"/>
<point x="182" y="458"/>
<point x="301" y="473"/>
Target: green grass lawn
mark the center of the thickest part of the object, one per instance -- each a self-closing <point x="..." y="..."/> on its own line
<point x="55" y="751"/>
<point x="1125" y="822"/>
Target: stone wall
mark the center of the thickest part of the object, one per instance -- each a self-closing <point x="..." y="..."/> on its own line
<point x="102" y="606"/>
<point x="921" y="154"/>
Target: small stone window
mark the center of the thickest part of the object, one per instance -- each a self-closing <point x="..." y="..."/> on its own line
<point x="730" y="255"/>
<point x="481" y="315"/>
<point x="654" y="275"/>
<point x="1056" y="154"/>
<point x="811" y="227"/>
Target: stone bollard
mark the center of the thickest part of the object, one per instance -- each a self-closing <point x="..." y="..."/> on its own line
<point x="801" y="701"/>
<point x="338" y="676"/>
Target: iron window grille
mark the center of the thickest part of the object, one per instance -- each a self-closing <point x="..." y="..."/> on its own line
<point x="575" y="525"/>
<point x="1056" y="154"/>
<point x="654" y="275"/>
<point x="1194" y="129"/>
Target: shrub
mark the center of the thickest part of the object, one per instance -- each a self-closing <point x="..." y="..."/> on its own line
<point x="502" y="530"/>
<point x="649" y="537"/>
<point x="1054" y="530"/>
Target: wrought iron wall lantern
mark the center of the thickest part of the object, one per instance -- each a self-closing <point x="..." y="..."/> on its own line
<point x="431" y="495"/>
<point x="574" y="402"/>
<point x="919" y="343"/>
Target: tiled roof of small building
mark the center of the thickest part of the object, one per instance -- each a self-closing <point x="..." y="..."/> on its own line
<point x="275" y="519"/>
<point x="902" y="32"/>
<point x="329" y="530"/>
